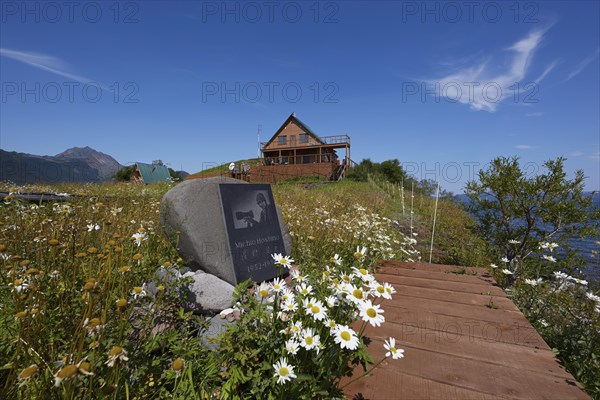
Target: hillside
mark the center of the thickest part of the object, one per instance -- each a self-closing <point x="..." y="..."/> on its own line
<point x="103" y="163"/>
<point x="223" y="168"/>
<point x="77" y="164"/>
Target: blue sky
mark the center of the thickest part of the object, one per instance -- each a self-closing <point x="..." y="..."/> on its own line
<point x="442" y="86"/>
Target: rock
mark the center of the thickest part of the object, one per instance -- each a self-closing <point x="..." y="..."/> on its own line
<point x="230" y="314"/>
<point x="166" y="275"/>
<point x="216" y="326"/>
<point x="192" y="216"/>
<point x="208" y="294"/>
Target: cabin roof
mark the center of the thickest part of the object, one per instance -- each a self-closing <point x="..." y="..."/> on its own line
<point x="291" y="118"/>
<point x="152" y="173"/>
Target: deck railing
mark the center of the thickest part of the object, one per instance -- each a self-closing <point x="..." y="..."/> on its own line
<point x="325" y="140"/>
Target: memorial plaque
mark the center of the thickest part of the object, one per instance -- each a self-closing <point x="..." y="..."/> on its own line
<point x="253" y="230"/>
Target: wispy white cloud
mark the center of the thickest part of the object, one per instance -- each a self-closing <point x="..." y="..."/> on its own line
<point x="576" y="153"/>
<point x="534" y="114"/>
<point x="44" y="62"/>
<point x="581" y="66"/>
<point x="546" y="71"/>
<point x="483" y="88"/>
<point x="525" y="147"/>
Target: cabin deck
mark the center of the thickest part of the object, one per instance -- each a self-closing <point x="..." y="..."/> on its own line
<point x="463" y="339"/>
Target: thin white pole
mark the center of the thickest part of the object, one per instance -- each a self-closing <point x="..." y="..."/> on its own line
<point x="437" y="194"/>
<point x="402" y="194"/>
<point x="258" y="135"/>
<point x="412" y="200"/>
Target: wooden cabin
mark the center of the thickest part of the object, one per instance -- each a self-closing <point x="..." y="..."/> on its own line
<point x="296" y="144"/>
<point x="150" y="173"/>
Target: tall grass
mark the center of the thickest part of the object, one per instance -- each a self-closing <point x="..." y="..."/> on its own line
<point x="76" y="320"/>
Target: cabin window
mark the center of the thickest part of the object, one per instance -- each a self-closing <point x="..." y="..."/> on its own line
<point x="303" y="138"/>
<point x="282" y="139"/>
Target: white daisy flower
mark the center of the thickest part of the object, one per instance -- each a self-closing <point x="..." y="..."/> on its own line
<point x="139" y="237"/>
<point x="504" y="260"/>
<point x="360" y="252"/>
<point x="278" y="285"/>
<point x="560" y="275"/>
<point x="315" y="309"/>
<point x="355" y="294"/>
<point x="345" y="337"/>
<point x="331" y="324"/>
<point x="93" y="227"/>
<point x="71" y="371"/>
<point x="336" y="259"/>
<point x="263" y="291"/>
<point x="297" y="276"/>
<point x="284" y="261"/>
<point x="494" y="266"/>
<point x="304" y="289"/>
<point x="378" y="290"/>
<point x="138" y="291"/>
<point x="363" y="274"/>
<point x="507" y="271"/>
<point x="283" y="371"/>
<point x="549" y="258"/>
<point x="296" y="329"/>
<point x="580" y="281"/>
<point x="19" y="285"/>
<point x="309" y="340"/>
<point x="290" y="306"/>
<point x="592" y="297"/>
<point x="533" y="282"/>
<point x="115" y="354"/>
<point x="292" y="346"/>
<point x="390" y="346"/>
<point x="346" y="278"/>
<point x="287" y="294"/>
<point x="389" y="289"/>
<point x="371" y="313"/>
<point x="27" y="373"/>
<point x="331" y="301"/>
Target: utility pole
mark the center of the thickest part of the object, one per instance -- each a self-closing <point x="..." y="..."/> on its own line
<point x="258" y="134"/>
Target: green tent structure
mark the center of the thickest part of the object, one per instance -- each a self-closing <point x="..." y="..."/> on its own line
<point x="150" y="173"/>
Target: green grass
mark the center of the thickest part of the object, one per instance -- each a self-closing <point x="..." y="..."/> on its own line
<point x="225" y="167"/>
<point x="68" y="313"/>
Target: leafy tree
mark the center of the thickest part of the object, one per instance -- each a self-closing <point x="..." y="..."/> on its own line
<point x="389" y="170"/>
<point x="124" y="174"/>
<point x="428" y="187"/>
<point x="173" y="174"/>
<point x="516" y="212"/>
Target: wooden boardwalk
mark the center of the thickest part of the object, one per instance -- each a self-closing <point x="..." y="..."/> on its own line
<point x="463" y="339"/>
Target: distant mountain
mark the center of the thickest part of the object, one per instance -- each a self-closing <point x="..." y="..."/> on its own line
<point x="78" y="164"/>
<point x="182" y="175"/>
<point x="106" y="166"/>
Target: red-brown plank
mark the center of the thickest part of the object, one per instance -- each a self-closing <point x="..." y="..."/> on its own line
<point x="475" y="299"/>
<point x="512" y="382"/>
<point x="456" y="347"/>
<point x="390" y="384"/>
<point x="452" y="342"/>
<point x="414" y="319"/>
<point x="469" y="283"/>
